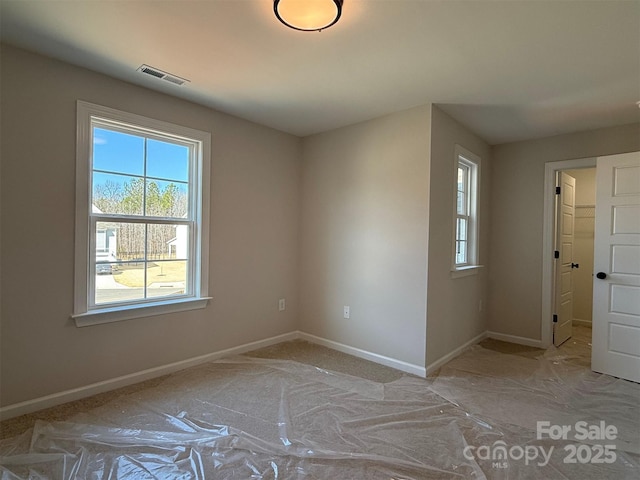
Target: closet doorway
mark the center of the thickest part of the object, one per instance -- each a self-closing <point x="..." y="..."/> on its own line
<point x="583" y="238"/>
<point x="583" y="168"/>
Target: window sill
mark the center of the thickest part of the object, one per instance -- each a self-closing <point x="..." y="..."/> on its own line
<point x="465" y="271"/>
<point x="117" y="314"/>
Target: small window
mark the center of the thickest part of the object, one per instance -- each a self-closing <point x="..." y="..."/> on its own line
<point x="467" y="174"/>
<point x="141" y="216"/>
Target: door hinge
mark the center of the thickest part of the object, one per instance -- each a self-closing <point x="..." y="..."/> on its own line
<point x="558" y="190"/>
<point x="556" y="254"/>
<point x="555" y="318"/>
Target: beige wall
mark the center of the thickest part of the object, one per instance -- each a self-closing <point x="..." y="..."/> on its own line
<point x="364" y="234"/>
<point x="584" y="230"/>
<point x="453" y="304"/>
<point x="585" y="185"/>
<point x="339" y="218"/>
<point x="517" y="220"/>
<point x="254" y="234"/>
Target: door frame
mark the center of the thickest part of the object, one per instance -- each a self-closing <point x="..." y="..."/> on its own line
<point x="548" y="231"/>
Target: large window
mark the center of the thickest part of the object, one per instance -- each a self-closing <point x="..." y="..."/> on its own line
<point x="467" y="174"/>
<point x="141" y="216"/>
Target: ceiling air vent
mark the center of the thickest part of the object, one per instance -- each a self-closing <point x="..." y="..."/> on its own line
<point x="155" y="72"/>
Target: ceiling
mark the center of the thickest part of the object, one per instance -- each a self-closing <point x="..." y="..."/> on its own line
<point x="509" y="70"/>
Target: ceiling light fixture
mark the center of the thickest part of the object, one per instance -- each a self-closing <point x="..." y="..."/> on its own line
<point x="308" y="15"/>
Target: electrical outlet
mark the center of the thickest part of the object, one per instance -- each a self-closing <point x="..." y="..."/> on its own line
<point x="346" y="312"/>
<point x="281" y="304"/>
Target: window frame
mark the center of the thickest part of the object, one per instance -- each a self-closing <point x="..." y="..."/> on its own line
<point x="86" y="312"/>
<point x="472" y="163"/>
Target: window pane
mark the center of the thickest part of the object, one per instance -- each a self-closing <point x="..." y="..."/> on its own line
<point x="462" y="178"/>
<point x="112" y="283"/>
<point x="167" y="242"/>
<point x="461" y="204"/>
<point x="119" y="241"/>
<point x="167" y="160"/>
<point x="117" y="152"/>
<point x="118" y="194"/>
<point x="166" y="278"/>
<point x="461" y="229"/>
<point x="461" y="252"/>
<point x="167" y="199"/>
<point x="130" y="275"/>
<point x="106" y="242"/>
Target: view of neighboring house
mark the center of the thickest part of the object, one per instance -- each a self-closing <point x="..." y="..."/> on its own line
<point x="106" y="245"/>
<point x="177" y="246"/>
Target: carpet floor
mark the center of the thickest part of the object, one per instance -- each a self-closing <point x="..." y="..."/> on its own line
<point x="297" y="410"/>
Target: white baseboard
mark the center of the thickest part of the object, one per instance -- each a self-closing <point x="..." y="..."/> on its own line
<point x="451" y="355"/>
<point x="584" y="323"/>
<point x="374" y="357"/>
<point x="530" y="342"/>
<point x="29" y="406"/>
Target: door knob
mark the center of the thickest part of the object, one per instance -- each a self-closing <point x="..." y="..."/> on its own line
<point x="575" y="265"/>
<point x="601" y="275"/>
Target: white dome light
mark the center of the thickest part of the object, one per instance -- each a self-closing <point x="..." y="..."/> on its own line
<point x="308" y="15"/>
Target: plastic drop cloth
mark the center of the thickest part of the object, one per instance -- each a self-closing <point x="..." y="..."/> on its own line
<point x="247" y="418"/>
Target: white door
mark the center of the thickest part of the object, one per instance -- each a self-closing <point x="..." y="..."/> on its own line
<point x="565" y="213"/>
<point x="616" y="284"/>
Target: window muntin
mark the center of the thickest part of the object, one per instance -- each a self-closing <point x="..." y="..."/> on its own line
<point x="465" y="245"/>
<point x="141" y="216"/>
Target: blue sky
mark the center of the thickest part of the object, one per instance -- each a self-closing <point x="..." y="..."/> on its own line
<point x="123" y="153"/>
